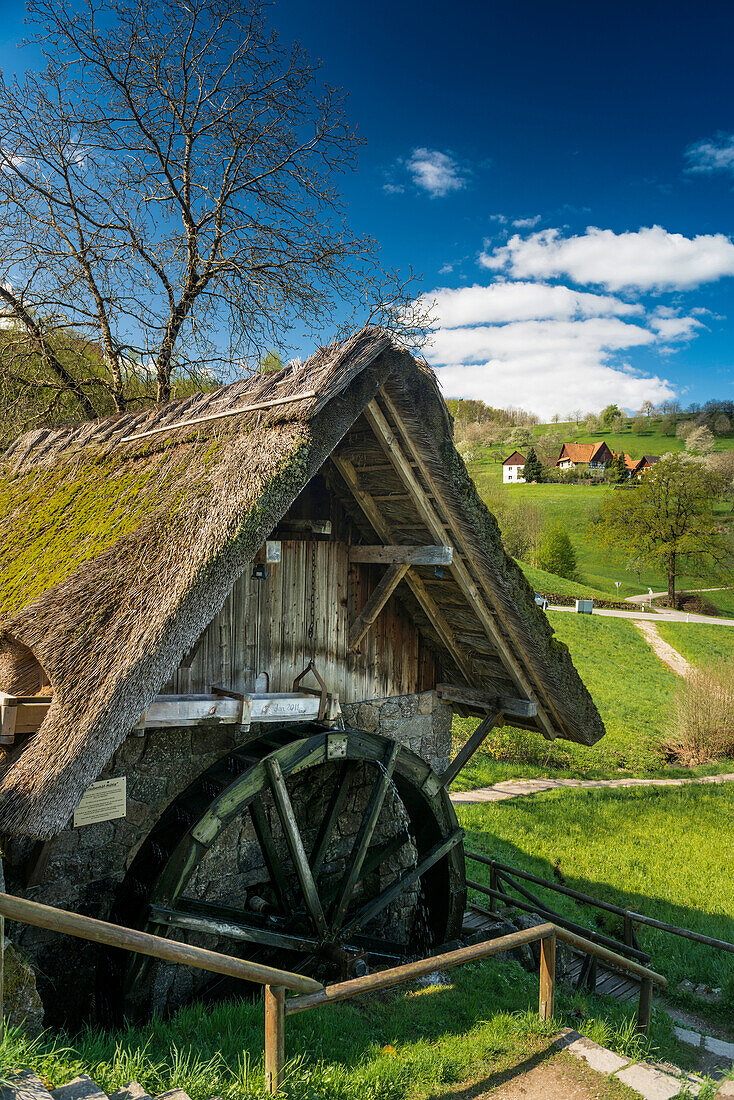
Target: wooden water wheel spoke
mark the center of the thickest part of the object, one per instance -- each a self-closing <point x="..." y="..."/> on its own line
<point x="310" y="794"/>
<point x="274" y="867"/>
<point x="362" y="841"/>
<point x="236" y="930"/>
<point x="296" y="848"/>
<point x="342" y="787"/>
<point x="378" y="855"/>
<point x="373" y="908"/>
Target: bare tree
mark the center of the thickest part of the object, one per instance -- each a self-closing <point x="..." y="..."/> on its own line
<point x="168" y="199"/>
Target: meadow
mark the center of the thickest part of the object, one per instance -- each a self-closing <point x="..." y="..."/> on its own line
<point x="665" y="852"/>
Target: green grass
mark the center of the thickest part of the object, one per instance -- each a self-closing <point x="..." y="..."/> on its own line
<point x="699" y="643"/>
<point x="411" y="1043"/>
<point x="549" y="582"/>
<point x="664" y="852"/>
<point x="723" y="601"/>
<point x="633" y="690"/>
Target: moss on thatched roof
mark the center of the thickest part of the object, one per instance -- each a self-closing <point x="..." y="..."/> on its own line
<point x="115" y="556"/>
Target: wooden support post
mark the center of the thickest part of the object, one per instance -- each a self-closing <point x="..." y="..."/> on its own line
<point x="494" y="884"/>
<point x="387" y="585"/>
<point x="274" y="1037"/>
<point x="644" y="1010"/>
<point x="465" y="754"/>
<point x="547" y="977"/>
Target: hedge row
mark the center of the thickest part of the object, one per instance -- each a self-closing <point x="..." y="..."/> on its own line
<point x="608" y="605"/>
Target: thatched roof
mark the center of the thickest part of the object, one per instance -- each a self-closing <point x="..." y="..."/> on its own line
<point x="115" y="555"/>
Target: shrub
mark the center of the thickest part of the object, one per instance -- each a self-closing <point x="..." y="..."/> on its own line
<point x="555" y="553"/>
<point x="703" y="723"/>
<point x="700" y="441"/>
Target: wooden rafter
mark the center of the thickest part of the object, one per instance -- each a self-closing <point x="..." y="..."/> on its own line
<point x="377" y="600"/>
<point x="430" y="517"/>
<point x="395" y="555"/>
<point x="439" y="495"/>
<point x="435" y="616"/>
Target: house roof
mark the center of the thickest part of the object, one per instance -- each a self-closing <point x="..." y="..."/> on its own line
<point x="515" y="459"/>
<point x="649" y="459"/>
<point x="581" y="452"/>
<point x="120" y="541"/>
<point x="630" y="462"/>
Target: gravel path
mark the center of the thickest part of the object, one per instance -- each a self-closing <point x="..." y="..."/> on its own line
<point x="672" y="658"/>
<point x="515" y="788"/>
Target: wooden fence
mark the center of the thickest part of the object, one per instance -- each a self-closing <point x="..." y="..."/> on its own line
<point x="309" y="993"/>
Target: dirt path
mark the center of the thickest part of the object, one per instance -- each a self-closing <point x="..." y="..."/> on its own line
<point x="517" y="788"/>
<point x="671" y="657"/>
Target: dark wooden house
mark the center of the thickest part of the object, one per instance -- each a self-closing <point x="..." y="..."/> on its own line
<point x="234" y="632"/>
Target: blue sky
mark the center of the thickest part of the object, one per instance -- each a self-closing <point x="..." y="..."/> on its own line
<point x="560" y="175"/>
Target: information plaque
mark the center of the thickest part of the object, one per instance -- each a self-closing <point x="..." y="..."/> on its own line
<point x="103" y="801"/>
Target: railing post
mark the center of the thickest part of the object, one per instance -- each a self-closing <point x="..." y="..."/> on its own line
<point x="547" y="977"/>
<point x="493" y="880"/>
<point x="274" y="1037"/>
<point x="645" y="1007"/>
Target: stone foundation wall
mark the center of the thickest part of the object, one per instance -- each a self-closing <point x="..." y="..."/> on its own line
<point x="420" y="722"/>
<point x="86" y="866"/>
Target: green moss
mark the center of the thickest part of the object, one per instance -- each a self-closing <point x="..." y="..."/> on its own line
<point x="54" y="519"/>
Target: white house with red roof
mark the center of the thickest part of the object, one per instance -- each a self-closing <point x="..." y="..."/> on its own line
<point x="512" y="468"/>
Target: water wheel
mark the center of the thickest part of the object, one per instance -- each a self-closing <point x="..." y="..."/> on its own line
<point x="319" y="851"/>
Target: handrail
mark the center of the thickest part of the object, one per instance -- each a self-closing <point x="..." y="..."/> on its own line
<point x="629" y="914"/>
<point x="311" y="993"/>
<point x="143" y="943"/>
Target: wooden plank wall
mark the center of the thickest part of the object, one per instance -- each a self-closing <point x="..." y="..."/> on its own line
<point x="263" y="628"/>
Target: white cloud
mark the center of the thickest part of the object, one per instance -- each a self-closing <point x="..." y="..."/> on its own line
<point x="435" y="172"/>
<point x="648" y="259"/>
<point x="522" y="301"/>
<point x="526" y="223"/>
<point x="712" y="155"/>
<point x="548" y="348"/>
<point x="446" y="269"/>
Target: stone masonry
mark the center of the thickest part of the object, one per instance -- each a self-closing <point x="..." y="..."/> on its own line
<point x="86" y="866"/>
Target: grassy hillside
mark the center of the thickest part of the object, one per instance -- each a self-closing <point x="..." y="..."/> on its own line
<point x="617" y="846"/>
<point x="700" y="644"/>
<point x="574" y="505"/>
<point x="549" y="582"/>
<point x="633" y="689"/>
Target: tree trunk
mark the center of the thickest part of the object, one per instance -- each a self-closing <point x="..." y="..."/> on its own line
<point x="671" y="581"/>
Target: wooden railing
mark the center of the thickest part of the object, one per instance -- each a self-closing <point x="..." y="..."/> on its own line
<point x="502" y="879"/>
<point x="310" y="993"/>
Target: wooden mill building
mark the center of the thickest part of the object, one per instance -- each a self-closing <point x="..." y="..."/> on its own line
<point x="166" y="579"/>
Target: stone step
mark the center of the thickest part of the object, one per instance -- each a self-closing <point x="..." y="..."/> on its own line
<point x="131" y="1091"/>
<point x="80" y="1088"/>
<point x="173" y="1094"/>
<point x="25" y="1085"/>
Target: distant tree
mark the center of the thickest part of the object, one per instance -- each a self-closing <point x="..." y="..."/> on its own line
<point x="555" y="418"/>
<point x="667" y="520"/>
<point x="576" y="415"/>
<point x="533" y="470"/>
<point x="668" y="424"/>
<point x="555" y="552"/>
<point x="618" y="472"/>
<point x="520" y="437"/>
<point x="700" y="441"/>
<point x="618" y="424"/>
<point x="610" y="414"/>
<point x="270" y="362"/>
<point x="592" y="423"/>
<point x="639" y="425"/>
<point x="647" y="409"/>
<point x="683" y="428"/>
<point x="721" y="424"/>
<point x="722" y="468"/>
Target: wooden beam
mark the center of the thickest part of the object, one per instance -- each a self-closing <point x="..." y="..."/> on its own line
<point x="471" y="746"/>
<point x="174" y="425"/>
<point x="363" y="838"/>
<point x="522" y="708"/>
<point x="410" y="555"/>
<point x="429" y="516"/>
<point x="433" y="613"/>
<point x="295" y="844"/>
<point x="377" y="600"/>
<point x="439" y="496"/>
